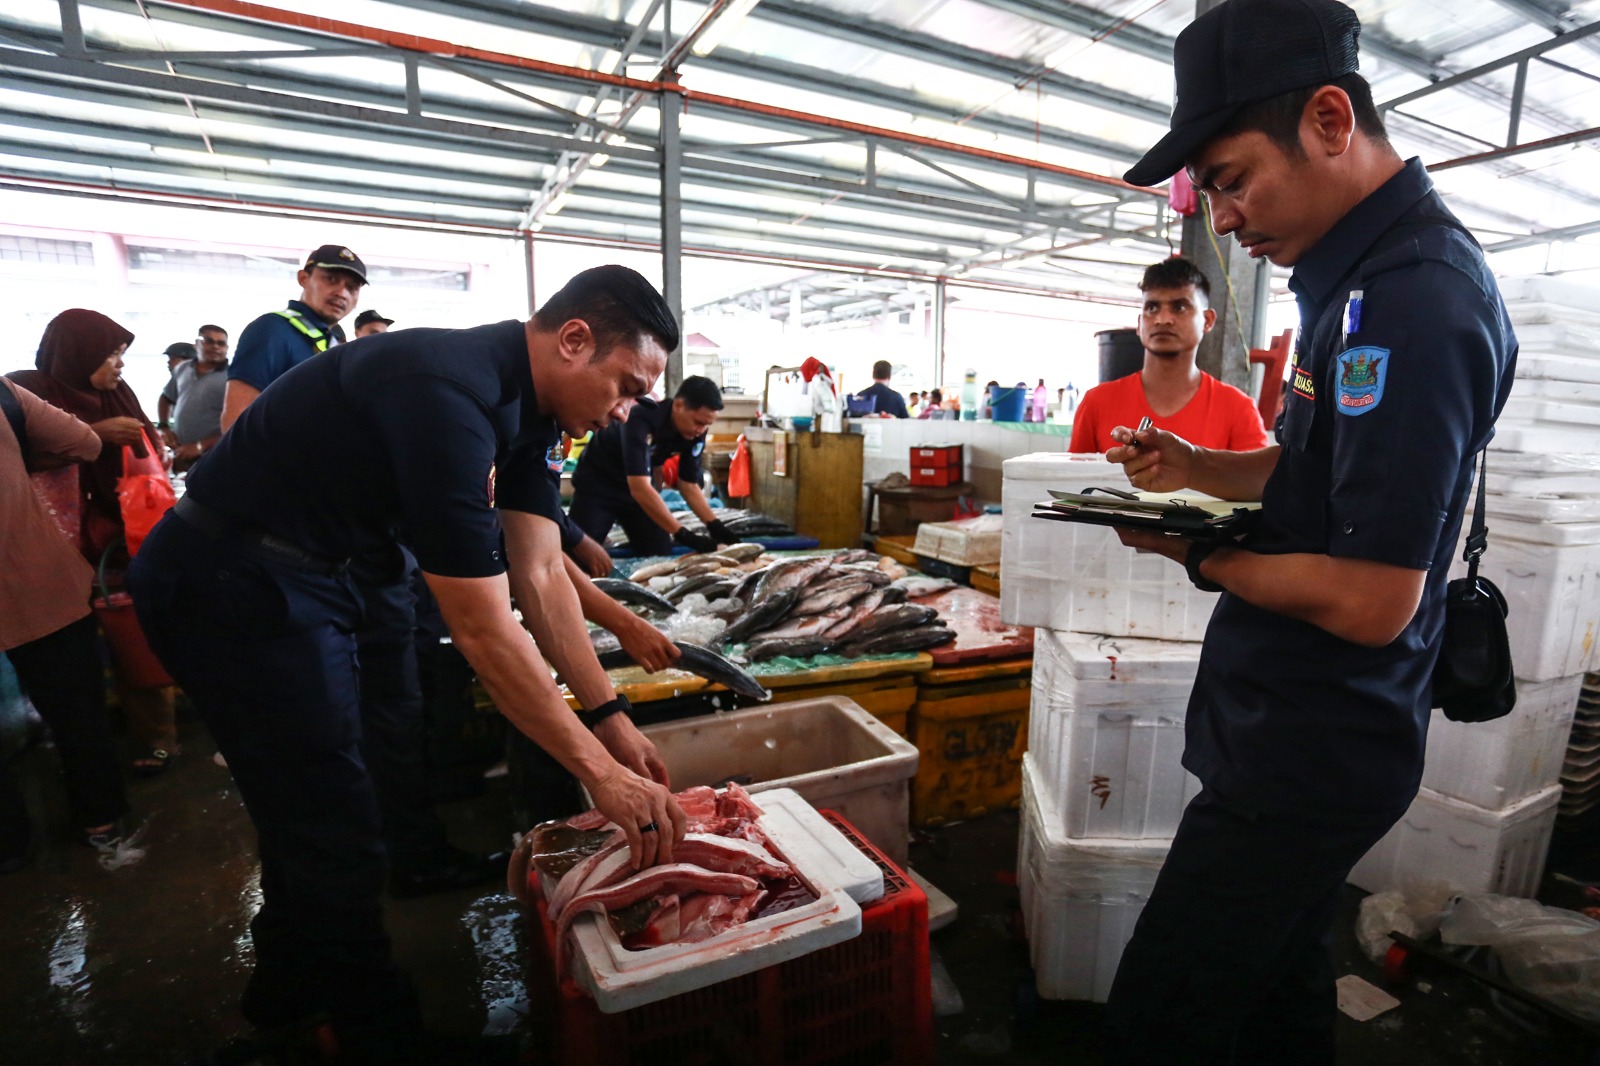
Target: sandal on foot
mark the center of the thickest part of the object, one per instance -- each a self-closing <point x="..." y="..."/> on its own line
<point x="151" y="764"/>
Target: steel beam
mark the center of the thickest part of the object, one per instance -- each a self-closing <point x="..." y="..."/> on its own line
<point x="1493" y="65"/>
<point x="1550" y="236"/>
<point x="670" y="107"/>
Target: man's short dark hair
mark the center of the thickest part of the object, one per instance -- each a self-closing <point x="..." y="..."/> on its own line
<point x="699" y="394"/>
<point x="616" y="303"/>
<point x="1175" y="272"/>
<point x="936" y="396"/>
<point x="208" y="328"/>
<point x="881" y="370"/>
<point x="1279" y="116"/>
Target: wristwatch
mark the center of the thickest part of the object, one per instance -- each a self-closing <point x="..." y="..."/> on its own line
<point x="1199" y="553"/>
<point x="618" y="705"/>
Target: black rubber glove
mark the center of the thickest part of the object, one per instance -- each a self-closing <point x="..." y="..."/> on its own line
<point x="695" y="542"/>
<point x="720" y="532"/>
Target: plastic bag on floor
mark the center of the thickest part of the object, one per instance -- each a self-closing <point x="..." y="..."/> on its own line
<point x="1550" y="952"/>
<point x="1413" y="909"/>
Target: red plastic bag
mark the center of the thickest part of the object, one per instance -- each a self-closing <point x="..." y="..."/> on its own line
<point x="669" y="472"/>
<point x="739" y="471"/>
<point x="144" y="492"/>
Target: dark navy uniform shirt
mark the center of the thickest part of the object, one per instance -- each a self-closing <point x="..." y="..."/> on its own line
<point x="1386" y="409"/>
<point x="271" y="345"/>
<point x="890" y="402"/>
<point x="420" y="429"/>
<point x="634" y="449"/>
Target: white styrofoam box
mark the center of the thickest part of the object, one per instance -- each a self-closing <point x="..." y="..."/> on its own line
<point x="1552" y="592"/>
<point x="1495" y="764"/>
<point x="1558" y="335"/>
<point x="1514" y="434"/>
<point x="1106" y="732"/>
<point x="1071" y="576"/>
<point x="1548" y="508"/>
<point x="1538" y="410"/>
<point x="1080" y="901"/>
<point x="829" y="749"/>
<point x="1469" y="848"/>
<point x="1542" y="288"/>
<point x="1542" y="464"/>
<point x="1532" y="367"/>
<point x="964" y="542"/>
<point x="823" y="859"/>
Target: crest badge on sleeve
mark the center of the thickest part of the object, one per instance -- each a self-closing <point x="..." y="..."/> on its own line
<point x="1362" y="372"/>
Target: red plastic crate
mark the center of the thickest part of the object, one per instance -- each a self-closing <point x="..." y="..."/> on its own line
<point x="865" y="1002"/>
<point x="938" y="476"/>
<point x="936" y="455"/>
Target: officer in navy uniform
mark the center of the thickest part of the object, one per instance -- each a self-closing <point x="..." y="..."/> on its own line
<point x="1308" y="717"/>
<point x="614" y="478"/>
<point x="244" y="592"/>
<point x="330" y="285"/>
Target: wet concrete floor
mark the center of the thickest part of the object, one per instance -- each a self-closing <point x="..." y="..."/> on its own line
<point x="144" y="963"/>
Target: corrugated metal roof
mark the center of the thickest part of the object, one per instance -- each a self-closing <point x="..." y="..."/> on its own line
<point x="268" y="107"/>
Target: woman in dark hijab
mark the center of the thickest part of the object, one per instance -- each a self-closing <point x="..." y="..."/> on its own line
<point x="80" y="371"/>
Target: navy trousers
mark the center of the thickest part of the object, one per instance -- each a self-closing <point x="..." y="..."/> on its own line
<point x="393" y="733"/>
<point x="1232" y="960"/>
<point x="267" y="654"/>
<point x="594" y="512"/>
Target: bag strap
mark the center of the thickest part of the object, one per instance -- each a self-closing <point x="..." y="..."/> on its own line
<point x="19" y="421"/>
<point x="1478" y="536"/>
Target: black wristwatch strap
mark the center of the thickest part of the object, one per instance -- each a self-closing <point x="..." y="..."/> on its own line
<point x="1199" y="553"/>
<point x="590" y="719"/>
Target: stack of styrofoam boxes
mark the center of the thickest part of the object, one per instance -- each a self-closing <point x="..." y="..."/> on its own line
<point x="1483" y="819"/>
<point x="1103" y="792"/>
<point x="1115" y="652"/>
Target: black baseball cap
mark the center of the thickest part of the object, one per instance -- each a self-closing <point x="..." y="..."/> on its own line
<point x="337" y="257"/>
<point x="181" y="350"/>
<point x="1242" y="51"/>
<point x="370" y="315"/>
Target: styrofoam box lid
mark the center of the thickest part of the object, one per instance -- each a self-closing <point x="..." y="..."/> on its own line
<point x="1069" y="868"/>
<point x="822" y="857"/>
<point x="1546" y="289"/>
<point x="1540" y="366"/>
<point x="1520" y="811"/>
<point x="1548" y="534"/>
<point x="1519" y="462"/>
<point x="1092" y="657"/>
<point x="1565" y="337"/>
<point x="1064" y="470"/>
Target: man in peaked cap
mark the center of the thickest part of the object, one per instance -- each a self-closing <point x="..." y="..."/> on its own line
<point x="1310" y="708"/>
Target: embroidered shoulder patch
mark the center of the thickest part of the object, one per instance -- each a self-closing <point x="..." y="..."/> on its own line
<point x="1362" y="372"/>
<point x="556" y="457"/>
<point x="699" y="446"/>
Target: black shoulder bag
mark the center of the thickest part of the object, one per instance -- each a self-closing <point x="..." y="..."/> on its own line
<point x="1472" y="681"/>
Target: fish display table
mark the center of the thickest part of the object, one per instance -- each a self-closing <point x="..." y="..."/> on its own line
<point x="641" y="687"/>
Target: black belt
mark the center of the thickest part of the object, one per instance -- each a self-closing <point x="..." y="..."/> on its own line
<point x="273" y="548"/>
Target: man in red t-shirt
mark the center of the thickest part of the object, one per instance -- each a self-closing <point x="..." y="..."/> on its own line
<point x="1171" y="391"/>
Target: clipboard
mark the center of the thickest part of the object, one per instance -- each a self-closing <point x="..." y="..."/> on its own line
<point x="1174" y="514"/>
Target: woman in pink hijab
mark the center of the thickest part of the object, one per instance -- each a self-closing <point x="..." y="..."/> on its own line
<point x="80" y="371"/>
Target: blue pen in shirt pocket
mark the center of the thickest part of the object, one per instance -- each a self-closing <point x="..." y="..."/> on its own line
<point x="1352" y="314"/>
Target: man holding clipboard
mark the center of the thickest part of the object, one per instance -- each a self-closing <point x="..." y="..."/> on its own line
<point x="1308" y="718"/>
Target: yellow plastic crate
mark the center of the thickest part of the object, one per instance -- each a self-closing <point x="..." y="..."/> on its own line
<point x="986" y="579"/>
<point x="970" y="746"/>
<point x="898" y="548"/>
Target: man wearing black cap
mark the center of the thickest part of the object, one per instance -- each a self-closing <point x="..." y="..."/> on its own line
<point x="1310" y="708"/>
<point x="330" y="284"/>
<point x="370" y="321"/>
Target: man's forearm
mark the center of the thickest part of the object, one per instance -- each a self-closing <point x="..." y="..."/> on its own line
<point x="553" y="614"/>
<point x="1364" y="602"/>
<point x="645" y="495"/>
<point x="1232" y="475"/>
<point x="696" y="499"/>
<point x="518" y="680"/>
<point x="596" y="606"/>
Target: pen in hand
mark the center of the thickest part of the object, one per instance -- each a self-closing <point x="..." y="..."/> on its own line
<point x="1144" y="424"/>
